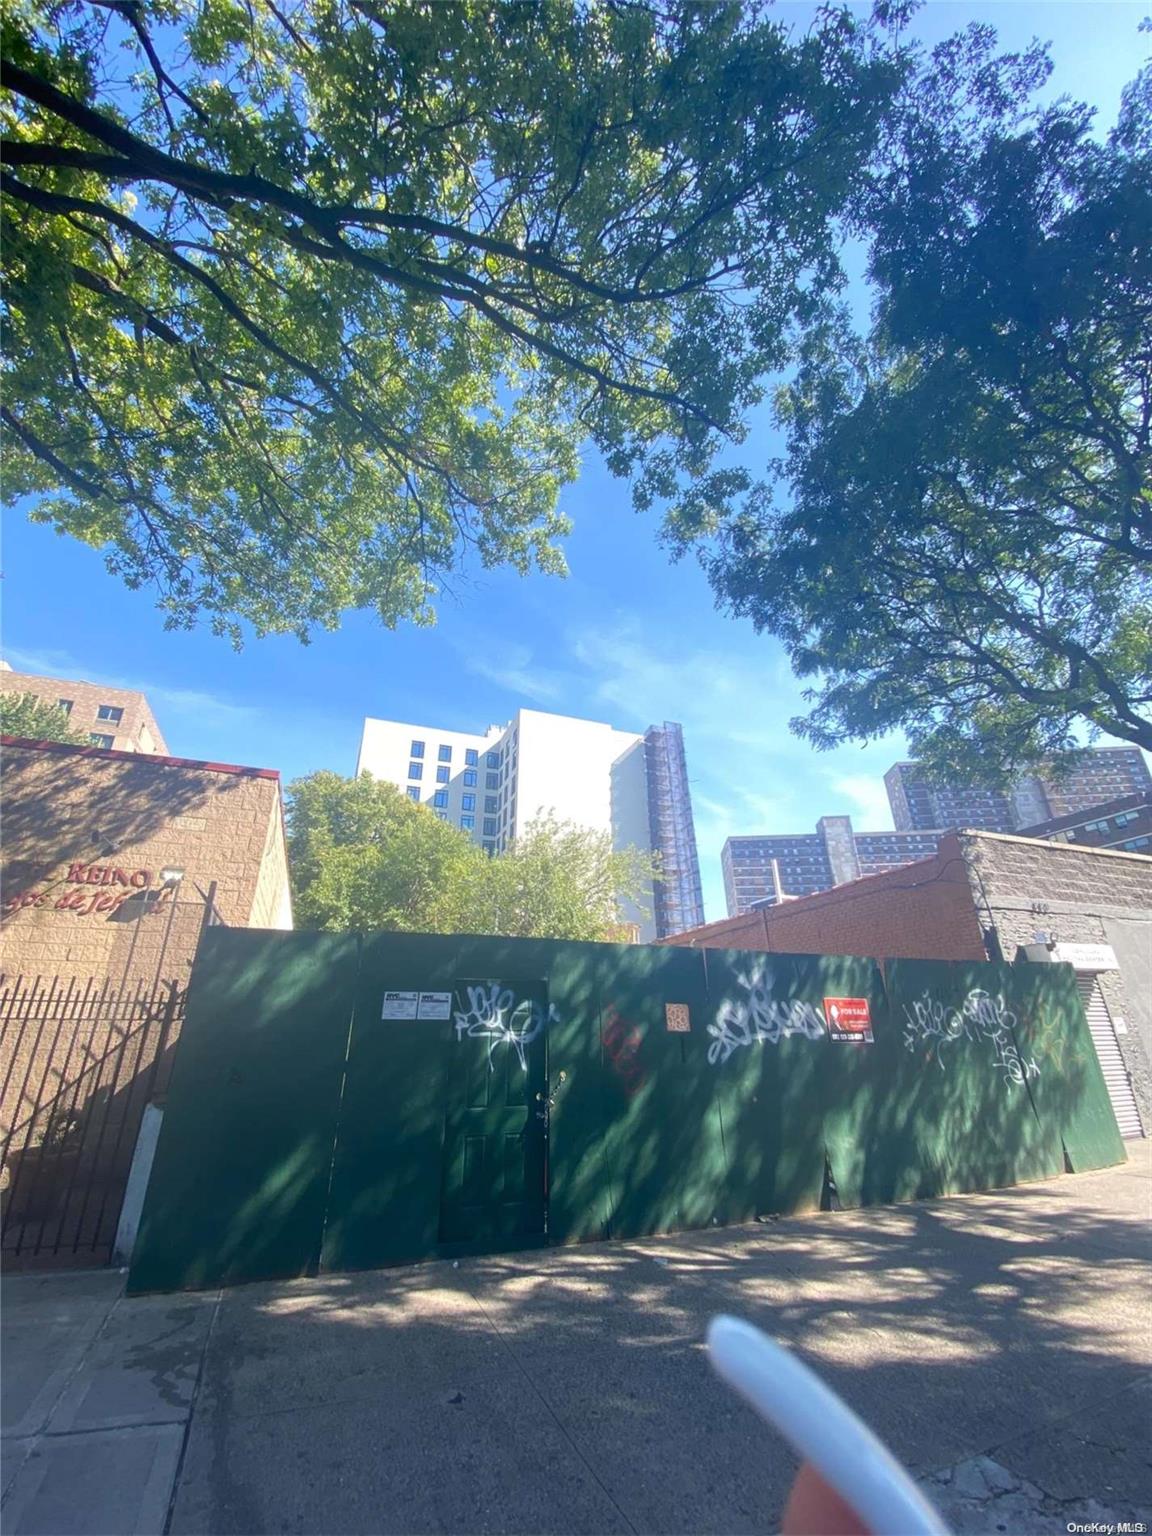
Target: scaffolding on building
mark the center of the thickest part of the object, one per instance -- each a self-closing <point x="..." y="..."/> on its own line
<point x="678" y="897"/>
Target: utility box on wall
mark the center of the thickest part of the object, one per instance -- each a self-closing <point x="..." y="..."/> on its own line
<point x="351" y="1101"/>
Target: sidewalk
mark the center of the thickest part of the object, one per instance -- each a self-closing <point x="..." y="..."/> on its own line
<point x="1001" y="1343"/>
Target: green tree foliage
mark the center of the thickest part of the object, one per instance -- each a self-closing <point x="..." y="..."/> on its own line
<point x="557" y="881"/>
<point x="23" y="714"/>
<point x="965" y="553"/>
<point x="307" y="299"/>
<point x="364" y="856"/>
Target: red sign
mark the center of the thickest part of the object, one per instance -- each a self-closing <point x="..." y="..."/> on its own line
<point x="849" y="1020"/>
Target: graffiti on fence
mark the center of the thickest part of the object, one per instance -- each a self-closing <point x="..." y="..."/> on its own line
<point x="621" y="1046"/>
<point x="760" y="1017"/>
<point x="495" y="1011"/>
<point x="980" y="1017"/>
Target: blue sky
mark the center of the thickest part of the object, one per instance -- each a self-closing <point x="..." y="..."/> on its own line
<point x="628" y="637"/>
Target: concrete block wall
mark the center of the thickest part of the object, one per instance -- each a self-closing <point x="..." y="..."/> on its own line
<point x="1079" y="896"/>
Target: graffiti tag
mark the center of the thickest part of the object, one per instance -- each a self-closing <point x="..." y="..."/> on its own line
<point x="621" y="1045"/>
<point x="980" y="1017"/>
<point x="759" y="1017"/>
<point x="496" y="1012"/>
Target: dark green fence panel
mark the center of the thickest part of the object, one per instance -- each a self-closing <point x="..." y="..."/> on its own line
<point x="663" y="1142"/>
<point x="767" y="1009"/>
<point x="308" y="1126"/>
<point x="384" y="1205"/>
<point x="1069" y="1090"/>
<point x="963" y="1088"/>
<point x="854" y="1084"/>
<point x="580" y="1198"/>
<point x="240" y="1178"/>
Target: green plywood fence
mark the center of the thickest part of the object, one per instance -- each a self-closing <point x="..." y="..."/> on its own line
<point x="540" y="1094"/>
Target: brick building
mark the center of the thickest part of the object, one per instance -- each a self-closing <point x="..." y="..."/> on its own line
<point x="1124" y="823"/>
<point x="117" y="718"/>
<point x="109" y="859"/>
<point x="112" y="864"/>
<point x="987" y="896"/>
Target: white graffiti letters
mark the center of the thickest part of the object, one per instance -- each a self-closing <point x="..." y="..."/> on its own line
<point x="505" y="1019"/>
<point x="760" y="1017"/>
<point x="979" y="1017"/>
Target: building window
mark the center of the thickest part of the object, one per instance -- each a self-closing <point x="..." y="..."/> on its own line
<point x="415" y="770"/>
<point x="491" y="781"/>
<point x="470" y="778"/>
<point x="491" y="805"/>
<point x="490" y="849"/>
<point x="1136" y="842"/>
<point x="471" y="757"/>
<point x="493" y="759"/>
<point x="440" y="799"/>
<point x="65" y="705"/>
<point x="110" y="713"/>
<point x="413" y="791"/>
<point x="443" y="775"/>
<point x="489" y="826"/>
<point x="416" y="749"/>
<point x="467" y="822"/>
<point x="468" y="803"/>
<point x="445" y="754"/>
<point x="100" y="741"/>
<point x="440" y="815"/>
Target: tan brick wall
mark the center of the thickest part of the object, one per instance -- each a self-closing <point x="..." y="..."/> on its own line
<point x="136" y="732"/>
<point x="68" y="812"/>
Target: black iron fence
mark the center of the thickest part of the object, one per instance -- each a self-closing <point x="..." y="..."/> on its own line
<point x="79" y="1061"/>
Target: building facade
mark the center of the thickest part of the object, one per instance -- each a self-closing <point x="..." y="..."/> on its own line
<point x="118" y="719"/>
<point x="763" y="871"/>
<point x="679" y="898"/>
<point x="492" y="785"/>
<point x="1104" y="774"/>
<point x="112" y="862"/>
<point x="113" y="865"/>
<point x="919" y="805"/>
<point x="996" y="896"/>
<point x="1125" y="823"/>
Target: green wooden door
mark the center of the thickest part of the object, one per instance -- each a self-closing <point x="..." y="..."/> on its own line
<point x="495" y="1121"/>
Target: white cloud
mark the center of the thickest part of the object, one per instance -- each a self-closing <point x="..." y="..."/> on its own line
<point x="868" y="799"/>
<point x="510" y="667"/>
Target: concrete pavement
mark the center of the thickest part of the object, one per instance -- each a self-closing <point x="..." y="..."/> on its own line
<point x="1001" y="1344"/>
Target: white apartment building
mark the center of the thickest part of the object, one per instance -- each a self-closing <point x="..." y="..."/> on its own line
<point x="493" y="785"/>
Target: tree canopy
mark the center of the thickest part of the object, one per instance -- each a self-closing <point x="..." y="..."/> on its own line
<point x="962" y="545"/>
<point x="36" y="719"/>
<point x="306" y="299"/>
<point x="364" y="856"/>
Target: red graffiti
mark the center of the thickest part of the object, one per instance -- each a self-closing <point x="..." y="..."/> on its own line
<point x="621" y="1045"/>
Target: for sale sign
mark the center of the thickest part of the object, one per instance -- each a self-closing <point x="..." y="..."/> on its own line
<point x="849" y="1020"/>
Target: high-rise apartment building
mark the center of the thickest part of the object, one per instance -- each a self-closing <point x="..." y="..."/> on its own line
<point x="117" y="718"/>
<point x="678" y="895"/>
<point x="762" y="871"/>
<point x="493" y="784"/>
<point x="1102" y="775"/>
<point x="918" y="804"/>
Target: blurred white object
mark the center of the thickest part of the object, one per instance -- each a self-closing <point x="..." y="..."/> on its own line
<point x="822" y="1429"/>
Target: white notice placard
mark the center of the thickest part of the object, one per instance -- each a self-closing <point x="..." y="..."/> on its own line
<point x="400" y="1005"/>
<point x="434" y="1005"/>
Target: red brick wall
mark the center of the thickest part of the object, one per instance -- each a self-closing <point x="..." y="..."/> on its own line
<point x="922" y="911"/>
